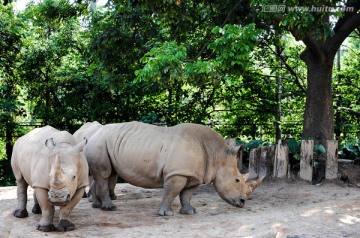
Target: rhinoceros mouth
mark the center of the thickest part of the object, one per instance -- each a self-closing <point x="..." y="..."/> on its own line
<point x="237" y="202"/>
<point x="58" y="198"/>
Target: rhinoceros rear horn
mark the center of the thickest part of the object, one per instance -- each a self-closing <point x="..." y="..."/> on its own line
<point x="255" y="183"/>
<point x="50" y="143"/>
<point x="80" y="146"/>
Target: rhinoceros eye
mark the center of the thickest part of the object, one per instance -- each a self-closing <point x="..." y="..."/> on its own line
<point x="74" y="177"/>
<point x="237" y="180"/>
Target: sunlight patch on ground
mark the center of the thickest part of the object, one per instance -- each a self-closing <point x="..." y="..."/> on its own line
<point x="311" y="212"/>
<point x="347" y="219"/>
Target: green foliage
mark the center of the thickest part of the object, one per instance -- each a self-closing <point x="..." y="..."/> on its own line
<point x="253" y="144"/>
<point x="350" y="150"/>
<point x="319" y="150"/>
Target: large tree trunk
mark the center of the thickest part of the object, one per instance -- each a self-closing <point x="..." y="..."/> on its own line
<point x="319" y="111"/>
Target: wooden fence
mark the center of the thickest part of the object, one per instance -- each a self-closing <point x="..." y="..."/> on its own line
<point x="273" y="161"/>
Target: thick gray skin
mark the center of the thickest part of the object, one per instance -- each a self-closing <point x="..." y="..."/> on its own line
<point x="85" y="132"/>
<point x="178" y="158"/>
<point x="38" y="162"/>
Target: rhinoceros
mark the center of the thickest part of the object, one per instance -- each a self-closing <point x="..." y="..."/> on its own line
<point x="177" y="158"/>
<point x="85" y="132"/>
<point x="52" y="163"/>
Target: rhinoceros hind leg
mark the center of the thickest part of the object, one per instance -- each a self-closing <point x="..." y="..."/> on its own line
<point x="112" y="184"/>
<point x="185" y="197"/>
<point x="65" y="225"/>
<point x="45" y="228"/>
<point x="172" y="187"/>
<point x="21" y="213"/>
<point x="36" y="209"/>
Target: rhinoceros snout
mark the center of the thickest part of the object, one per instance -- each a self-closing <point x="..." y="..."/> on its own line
<point x="59" y="197"/>
<point x="239" y="203"/>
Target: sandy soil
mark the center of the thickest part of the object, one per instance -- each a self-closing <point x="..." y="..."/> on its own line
<point x="293" y="209"/>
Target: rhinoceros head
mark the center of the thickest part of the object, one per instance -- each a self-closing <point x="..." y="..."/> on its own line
<point x="64" y="171"/>
<point x="230" y="184"/>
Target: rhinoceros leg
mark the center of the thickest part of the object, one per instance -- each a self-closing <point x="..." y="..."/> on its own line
<point x="172" y="187"/>
<point x="64" y="215"/>
<point x="185" y="196"/>
<point x="102" y="192"/>
<point x="21" y="190"/>
<point x="92" y="193"/>
<point x="36" y="208"/>
<point x="47" y="215"/>
<point x="112" y="184"/>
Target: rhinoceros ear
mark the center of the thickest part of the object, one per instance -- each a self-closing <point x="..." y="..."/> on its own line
<point x="50" y="143"/>
<point x="80" y="146"/>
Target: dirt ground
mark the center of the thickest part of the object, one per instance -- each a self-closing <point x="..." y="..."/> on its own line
<point x="279" y="208"/>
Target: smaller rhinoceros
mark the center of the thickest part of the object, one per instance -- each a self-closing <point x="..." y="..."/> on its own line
<point x="85" y="132"/>
<point x="177" y="158"/>
<point x="50" y="162"/>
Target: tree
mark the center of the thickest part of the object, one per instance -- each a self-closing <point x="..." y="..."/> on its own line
<point x="10" y="106"/>
<point x="322" y="38"/>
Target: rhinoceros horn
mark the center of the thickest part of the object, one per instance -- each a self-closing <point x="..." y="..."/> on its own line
<point x="58" y="178"/>
<point x="256" y="183"/>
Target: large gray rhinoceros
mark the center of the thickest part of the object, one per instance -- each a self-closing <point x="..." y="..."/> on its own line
<point x="178" y="158"/>
<point x="50" y="162"/>
<point x="85" y="132"/>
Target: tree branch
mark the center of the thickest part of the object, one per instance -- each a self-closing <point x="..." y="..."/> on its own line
<point x="350" y="111"/>
<point x="222" y="25"/>
<point x="345" y="25"/>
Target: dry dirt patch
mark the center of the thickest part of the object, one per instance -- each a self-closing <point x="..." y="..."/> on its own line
<point x="277" y="209"/>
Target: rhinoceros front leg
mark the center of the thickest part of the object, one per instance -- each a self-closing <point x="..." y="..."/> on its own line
<point x="102" y="193"/>
<point x="185" y="196"/>
<point x="21" y="190"/>
<point x="172" y="187"/>
<point x="65" y="224"/>
<point x="47" y="215"/>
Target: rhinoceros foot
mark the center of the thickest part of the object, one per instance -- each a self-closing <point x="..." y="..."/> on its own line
<point x="21" y="213"/>
<point x="65" y="225"/>
<point x="109" y="208"/>
<point x="46" y="228"/>
<point x="188" y="209"/>
<point x="165" y="211"/>
<point x="36" y="209"/>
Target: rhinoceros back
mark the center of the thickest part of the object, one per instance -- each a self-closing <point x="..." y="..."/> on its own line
<point x="145" y="154"/>
<point x="86" y="131"/>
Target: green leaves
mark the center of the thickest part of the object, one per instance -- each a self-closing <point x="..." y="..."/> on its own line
<point x="233" y="45"/>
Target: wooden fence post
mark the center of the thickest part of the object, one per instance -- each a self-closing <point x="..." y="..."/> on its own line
<point x="266" y="161"/>
<point x="239" y="157"/>
<point x="306" y="159"/>
<point x="331" y="159"/>
<point x="254" y="158"/>
<point x="281" y="160"/>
